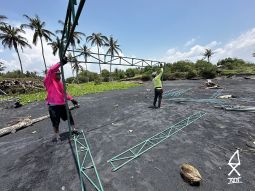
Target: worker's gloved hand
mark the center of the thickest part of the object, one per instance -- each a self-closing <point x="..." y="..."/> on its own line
<point x="74" y="102"/>
<point x="63" y="61"/>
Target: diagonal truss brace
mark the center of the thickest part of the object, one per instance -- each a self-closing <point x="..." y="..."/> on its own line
<point x="125" y="157"/>
<point x="85" y="161"/>
<point x="176" y="93"/>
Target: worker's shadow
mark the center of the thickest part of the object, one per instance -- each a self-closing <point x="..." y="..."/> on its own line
<point x="65" y="136"/>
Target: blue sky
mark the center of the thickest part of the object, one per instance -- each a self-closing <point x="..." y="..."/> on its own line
<point x="165" y="30"/>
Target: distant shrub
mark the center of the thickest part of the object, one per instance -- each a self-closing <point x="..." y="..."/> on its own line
<point x="191" y="74"/>
<point x="179" y="75"/>
<point x="70" y="80"/>
<point x="130" y="72"/>
<point x="183" y="66"/>
<point x="83" y="79"/>
<point x="146" y="77"/>
<point x="118" y="74"/>
<point x="98" y="80"/>
<point x="18" y="74"/>
<point x="208" y="73"/>
<point x="205" y="69"/>
<point x="167" y="76"/>
<point x="87" y="76"/>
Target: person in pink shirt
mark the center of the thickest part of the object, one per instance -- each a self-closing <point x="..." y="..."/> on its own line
<point x="55" y="98"/>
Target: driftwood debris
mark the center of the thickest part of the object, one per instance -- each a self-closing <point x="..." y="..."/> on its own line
<point x="25" y="122"/>
<point x="190" y="174"/>
<point x="237" y="108"/>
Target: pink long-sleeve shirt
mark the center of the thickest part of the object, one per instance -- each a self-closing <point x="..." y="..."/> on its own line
<point x="54" y="88"/>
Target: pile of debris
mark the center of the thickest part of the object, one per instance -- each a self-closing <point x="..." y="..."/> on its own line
<point x="15" y="86"/>
<point x="212" y="85"/>
<point x="9" y="103"/>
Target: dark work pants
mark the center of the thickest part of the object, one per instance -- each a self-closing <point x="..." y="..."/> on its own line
<point x="158" y="95"/>
<point x="58" y="112"/>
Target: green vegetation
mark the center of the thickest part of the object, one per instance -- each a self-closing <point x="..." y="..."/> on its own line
<point x="18" y="74"/>
<point x="77" y="90"/>
<point x="234" y="66"/>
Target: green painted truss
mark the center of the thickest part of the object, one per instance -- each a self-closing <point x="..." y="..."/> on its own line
<point x="87" y="167"/>
<point x="175" y="93"/>
<point x="130" y="154"/>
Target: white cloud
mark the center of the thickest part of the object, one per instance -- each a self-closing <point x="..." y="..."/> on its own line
<point x="31" y="58"/>
<point x="190" y="42"/>
<point x="213" y="44"/>
<point x="241" y="47"/>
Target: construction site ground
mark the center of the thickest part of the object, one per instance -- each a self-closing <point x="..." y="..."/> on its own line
<point x="114" y="121"/>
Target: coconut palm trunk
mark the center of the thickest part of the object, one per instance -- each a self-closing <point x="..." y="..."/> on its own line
<point x="73" y="47"/>
<point x="85" y="59"/>
<point x="99" y="59"/>
<point x="21" y="68"/>
<point x="111" y="69"/>
<point x="43" y="55"/>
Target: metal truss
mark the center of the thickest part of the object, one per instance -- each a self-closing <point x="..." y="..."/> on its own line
<point x="86" y="165"/>
<point x="125" y="157"/>
<point x="175" y="93"/>
<point x="213" y="99"/>
<point x="115" y="60"/>
<point x="208" y="100"/>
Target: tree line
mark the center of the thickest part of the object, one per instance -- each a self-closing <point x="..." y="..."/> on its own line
<point x="11" y="37"/>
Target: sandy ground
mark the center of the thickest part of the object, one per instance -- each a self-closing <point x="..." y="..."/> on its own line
<point x="31" y="161"/>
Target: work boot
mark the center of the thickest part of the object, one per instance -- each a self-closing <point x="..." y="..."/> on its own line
<point x="75" y="131"/>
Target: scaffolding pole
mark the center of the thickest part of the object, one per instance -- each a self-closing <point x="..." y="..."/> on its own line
<point x="82" y="153"/>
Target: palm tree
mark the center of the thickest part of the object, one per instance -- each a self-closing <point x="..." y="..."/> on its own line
<point x="2" y="17"/>
<point x="86" y="52"/>
<point x="207" y="54"/>
<point x="2" y="23"/>
<point x="76" y="67"/>
<point x="55" y="45"/>
<point x="76" y="38"/>
<point x="113" y="48"/>
<point x="2" y="67"/>
<point x="99" y="40"/>
<point x="10" y="37"/>
<point x="40" y="32"/>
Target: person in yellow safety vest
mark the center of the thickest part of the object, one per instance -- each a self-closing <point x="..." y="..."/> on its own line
<point x="158" y="88"/>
